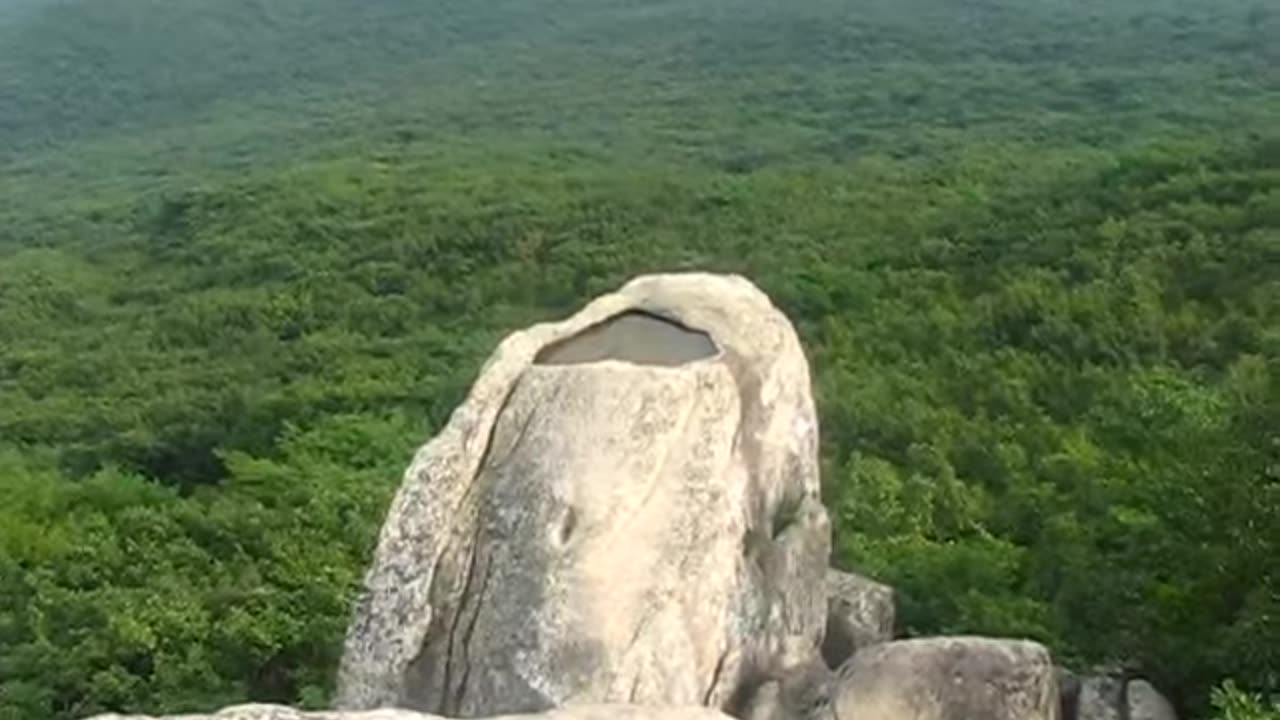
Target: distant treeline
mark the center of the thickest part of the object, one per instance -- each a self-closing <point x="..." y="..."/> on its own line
<point x="1032" y="248"/>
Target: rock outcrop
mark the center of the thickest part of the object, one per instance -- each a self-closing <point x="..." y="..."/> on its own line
<point x="624" y="509"/>
<point x="949" y="678"/>
<point x="621" y="522"/>
<point x="588" y="712"/>
<point x="860" y="613"/>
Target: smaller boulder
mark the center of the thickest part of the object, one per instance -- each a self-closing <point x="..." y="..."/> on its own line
<point x="948" y="678"/>
<point x="1101" y="697"/>
<point x="859" y="614"/>
<point x="1146" y="703"/>
<point x="1112" y="694"/>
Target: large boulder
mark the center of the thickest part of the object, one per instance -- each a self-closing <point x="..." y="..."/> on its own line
<point x="948" y="678"/>
<point x="859" y="613"/>
<point x="624" y="509"/>
<point x="588" y="712"/>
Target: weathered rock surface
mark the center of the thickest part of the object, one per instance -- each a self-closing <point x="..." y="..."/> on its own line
<point x="599" y="712"/>
<point x="948" y="678"/>
<point x="1112" y="694"/>
<point x="624" y="509"/>
<point x="1146" y="703"/>
<point x="802" y="693"/>
<point x="860" y="613"/>
<point x="1101" y="697"/>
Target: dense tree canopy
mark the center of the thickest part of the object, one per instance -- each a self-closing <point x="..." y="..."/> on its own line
<point x="252" y="254"/>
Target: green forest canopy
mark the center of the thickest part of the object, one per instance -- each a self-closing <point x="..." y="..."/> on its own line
<point x="252" y="253"/>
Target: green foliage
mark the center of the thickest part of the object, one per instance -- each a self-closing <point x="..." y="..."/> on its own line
<point x="119" y="592"/>
<point x="251" y="254"/>
<point x="167" y="94"/>
<point x="1231" y="703"/>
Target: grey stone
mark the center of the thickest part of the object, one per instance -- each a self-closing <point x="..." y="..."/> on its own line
<point x="1101" y="697"/>
<point x="802" y="693"/>
<point x="600" y="712"/>
<point x="1147" y="703"/>
<point x="860" y="613"/>
<point x="606" y="520"/>
<point x="948" y="678"/>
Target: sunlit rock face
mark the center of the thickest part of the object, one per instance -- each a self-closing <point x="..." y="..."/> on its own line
<point x="624" y="509"/>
